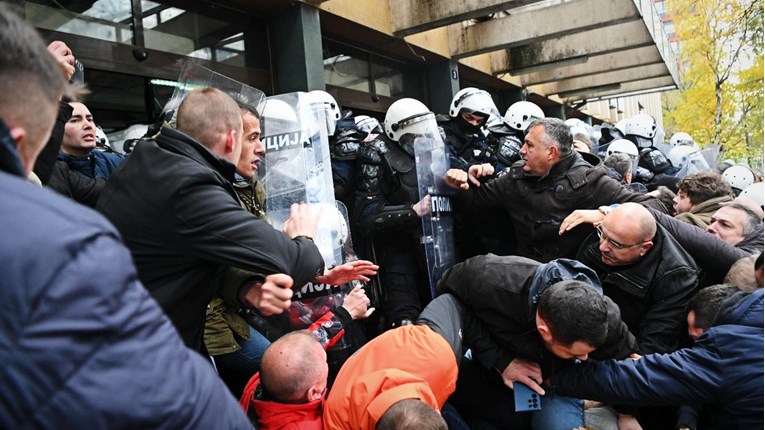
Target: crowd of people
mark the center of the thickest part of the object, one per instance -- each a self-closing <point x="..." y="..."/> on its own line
<point x="616" y="276"/>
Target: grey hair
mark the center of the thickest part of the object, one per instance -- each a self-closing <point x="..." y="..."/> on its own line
<point x="620" y="162"/>
<point x="558" y="133"/>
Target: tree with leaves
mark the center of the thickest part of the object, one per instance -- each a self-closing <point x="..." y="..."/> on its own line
<point x="721" y="94"/>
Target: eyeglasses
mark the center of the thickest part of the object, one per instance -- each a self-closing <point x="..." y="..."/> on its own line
<point x="612" y="243"/>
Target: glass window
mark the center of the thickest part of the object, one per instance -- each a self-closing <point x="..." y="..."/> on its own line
<point x="349" y="67"/>
<point x="343" y="70"/>
<point x="389" y="81"/>
<point x="102" y="19"/>
<point x="188" y="33"/>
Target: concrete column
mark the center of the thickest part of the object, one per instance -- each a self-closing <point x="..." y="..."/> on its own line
<point x="297" y="50"/>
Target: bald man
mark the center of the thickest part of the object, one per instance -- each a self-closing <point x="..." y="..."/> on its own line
<point x="649" y="276"/>
<point x="289" y="389"/>
<point x="645" y="271"/>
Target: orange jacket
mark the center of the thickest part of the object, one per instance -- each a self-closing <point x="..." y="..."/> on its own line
<point x="404" y="363"/>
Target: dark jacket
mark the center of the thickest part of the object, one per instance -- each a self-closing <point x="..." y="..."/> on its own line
<point x="652" y="293"/>
<point x="99" y="164"/>
<point x="175" y="206"/>
<point x="77" y="187"/>
<point x="47" y="158"/>
<point x="501" y="290"/>
<point x="724" y="368"/>
<point x="713" y="256"/>
<point x="57" y="175"/>
<point x="537" y="205"/>
<point x="82" y="344"/>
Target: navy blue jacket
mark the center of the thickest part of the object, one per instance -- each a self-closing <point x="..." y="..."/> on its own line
<point x="724" y="368"/>
<point x="99" y="164"/>
<point x="82" y="344"/>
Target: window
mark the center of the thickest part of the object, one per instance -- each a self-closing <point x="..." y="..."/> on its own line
<point x="103" y="19"/>
<point x="354" y="68"/>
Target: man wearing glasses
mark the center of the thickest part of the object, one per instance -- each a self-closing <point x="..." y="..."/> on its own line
<point x="645" y="271"/>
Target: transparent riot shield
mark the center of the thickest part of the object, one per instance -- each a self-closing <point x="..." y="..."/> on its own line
<point x="193" y="76"/>
<point x="297" y="166"/>
<point x="432" y="162"/>
<point x="711" y="154"/>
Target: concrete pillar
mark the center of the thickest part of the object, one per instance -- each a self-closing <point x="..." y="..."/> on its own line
<point x="297" y="49"/>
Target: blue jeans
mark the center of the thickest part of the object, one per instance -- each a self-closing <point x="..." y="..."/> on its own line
<point x="558" y="412"/>
<point x="236" y="368"/>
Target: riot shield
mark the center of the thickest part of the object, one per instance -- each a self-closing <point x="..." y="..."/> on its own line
<point x="432" y="162"/>
<point x="711" y="154"/>
<point x="297" y="166"/>
<point x="193" y="76"/>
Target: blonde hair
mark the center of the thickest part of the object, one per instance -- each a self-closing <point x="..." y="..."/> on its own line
<point x="208" y="114"/>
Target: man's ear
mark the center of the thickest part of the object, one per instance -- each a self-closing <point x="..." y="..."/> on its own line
<point x="543" y="329"/>
<point x="231" y="141"/>
<point x="19" y="135"/>
<point x="553" y="154"/>
<point x="646" y="247"/>
<point x="314" y="393"/>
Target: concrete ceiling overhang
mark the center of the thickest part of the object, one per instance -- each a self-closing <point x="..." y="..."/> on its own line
<point x="572" y="50"/>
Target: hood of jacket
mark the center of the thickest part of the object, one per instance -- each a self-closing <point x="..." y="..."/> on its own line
<point x="561" y="269"/>
<point x="744" y="309"/>
<point x="274" y="415"/>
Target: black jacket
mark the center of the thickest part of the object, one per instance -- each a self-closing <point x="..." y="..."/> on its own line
<point x="497" y="289"/>
<point x="652" y="293"/>
<point x="177" y="210"/>
<point x="537" y="205"/>
<point x="713" y="256"/>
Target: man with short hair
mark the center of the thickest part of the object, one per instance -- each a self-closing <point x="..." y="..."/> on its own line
<point x="83" y="343"/>
<point x="539" y="191"/>
<point x="288" y="392"/>
<point x="621" y="163"/>
<point x="79" y="143"/>
<point x="535" y="319"/>
<point x="734" y="222"/>
<point x="704" y="305"/>
<point x="175" y="206"/>
<point x="723" y="370"/>
<point x="699" y="196"/>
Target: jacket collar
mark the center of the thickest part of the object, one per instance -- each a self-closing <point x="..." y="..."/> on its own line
<point x="178" y="142"/>
<point x="564" y="167"/>
<point x="9" y="158"/>
<point x="561" y="269"/>
<point x="642" y="272"/>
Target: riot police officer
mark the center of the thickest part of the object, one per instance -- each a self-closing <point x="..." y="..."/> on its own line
<point x="387" y="209"/>
<point x="462" y="129"/>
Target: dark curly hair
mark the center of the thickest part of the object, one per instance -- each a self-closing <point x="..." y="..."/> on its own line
<point x="700" y="187"/>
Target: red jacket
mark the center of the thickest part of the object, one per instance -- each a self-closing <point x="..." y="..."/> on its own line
<point x="404" y="363"/>
<point x="282" y="416"/>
